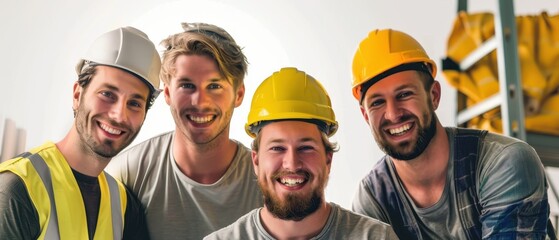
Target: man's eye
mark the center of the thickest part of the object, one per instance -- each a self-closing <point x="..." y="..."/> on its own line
<point x="404" y="94"/>
<point x="214" y="86"/>
<point x="135" y="104"/>
<point x="187" y="85"/>
<point x="306" y="148"/>
<point x="107" y="94"/>
<point x="277" y="149"/>
<point x="376" y="103"/>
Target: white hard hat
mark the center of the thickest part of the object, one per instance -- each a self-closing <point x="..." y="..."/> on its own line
<point x="126" y="48"/>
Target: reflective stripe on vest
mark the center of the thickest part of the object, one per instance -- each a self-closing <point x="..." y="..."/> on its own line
<point x="44" y="172"/>
<point x="52" y="227"/>
<point x="115" y="206"/>
<point x="34" y="170"/>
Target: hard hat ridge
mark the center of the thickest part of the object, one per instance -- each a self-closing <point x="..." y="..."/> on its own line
<point x="290" y="94"/>
<point x="129" y="49"/>
<point x="383" y="50"/>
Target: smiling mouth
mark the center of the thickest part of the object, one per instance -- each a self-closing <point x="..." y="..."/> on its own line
<point x="400" y="130"/>
<point x="293" y="180"/>
<point x="110" y="130"/>
<point x="202" y="119"/>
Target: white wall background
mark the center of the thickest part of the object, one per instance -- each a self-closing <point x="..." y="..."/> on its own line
<point x="41" y="42"/>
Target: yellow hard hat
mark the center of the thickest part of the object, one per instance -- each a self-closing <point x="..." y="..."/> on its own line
<point x="383" y="50"/>
<point x="291" y="94"/>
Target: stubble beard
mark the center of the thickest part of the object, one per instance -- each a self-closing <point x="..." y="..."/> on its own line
<point x="105" y="149"/>
<point x="206" y="143"/>
<point x="424" y="137"/>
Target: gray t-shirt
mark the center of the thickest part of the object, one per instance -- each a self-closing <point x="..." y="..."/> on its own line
<point x="176" y="206"/>
<point x="508" y="171"/>
<point x="341" y="224"/>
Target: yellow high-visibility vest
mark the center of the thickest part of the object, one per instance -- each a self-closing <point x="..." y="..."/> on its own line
<point x="57" y="198"/>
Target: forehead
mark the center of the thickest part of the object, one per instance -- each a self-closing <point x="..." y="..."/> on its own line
<point x="120" y="79"/>
<point x="290" y="130"/>
<point x="195" y="65"/>
<point x="396" y="81"/>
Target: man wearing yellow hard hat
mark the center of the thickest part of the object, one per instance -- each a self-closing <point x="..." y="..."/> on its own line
<point x="59" y="190"/>
<point x="291" y="119"/>
<point x="438" y="182"/>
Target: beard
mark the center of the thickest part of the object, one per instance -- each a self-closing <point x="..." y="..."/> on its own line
<point x="107" y="148"/>
<point x="424" y="136"/>
<point x="295" y="206"/>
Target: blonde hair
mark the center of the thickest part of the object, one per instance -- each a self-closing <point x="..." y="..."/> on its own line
<point x="207" y="40"/>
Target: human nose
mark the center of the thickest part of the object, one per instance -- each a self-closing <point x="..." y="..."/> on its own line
<point x="291" y="161"/>
<point x="393" y="111"/>
<point x="199" y="98"/>
<point x="118" y="112"/>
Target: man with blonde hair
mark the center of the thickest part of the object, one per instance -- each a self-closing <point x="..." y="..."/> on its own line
<point x="195" y="179"/>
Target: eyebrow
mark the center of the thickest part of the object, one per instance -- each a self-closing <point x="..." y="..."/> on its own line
<point x="302" y="140"/>
<point x="134" y="96"/>
<point x="404" y="86"/>
<point x="186" y="79"/>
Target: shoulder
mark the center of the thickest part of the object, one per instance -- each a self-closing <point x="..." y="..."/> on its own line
<point x="352" y="225"/>
<point x="12" y="186"/>
<point x="140" y="157"/>
<point x="496" y="149"/>
<point x="378" y="177"/>
<point x="18" y="216"/>
<point x="352" y="218"/>
<point x="242" y="151"/>
<point x="500" y="142"/>
<point x="242" y="160"/>
<point x="152" y="145"/>
<point x="246" y="227"/>
<point x="509" y="170"/>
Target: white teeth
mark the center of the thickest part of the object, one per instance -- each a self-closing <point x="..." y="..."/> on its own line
<point x="110" y="130"/>
<point x="400" y="130"/>
<point x="291" y="182"/>
<point x="201" y="119"/>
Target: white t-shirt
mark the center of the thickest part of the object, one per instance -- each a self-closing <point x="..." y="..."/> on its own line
<point x="341" y="224"/>
<point x="176" y="206"/>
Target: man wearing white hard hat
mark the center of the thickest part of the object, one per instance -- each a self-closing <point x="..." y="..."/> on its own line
<point x="59" y="190"/>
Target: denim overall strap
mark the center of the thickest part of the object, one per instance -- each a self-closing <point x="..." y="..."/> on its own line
<point x="466" y="153"/>
<point x="399" y="213"/>
<point x="402" y="217"/>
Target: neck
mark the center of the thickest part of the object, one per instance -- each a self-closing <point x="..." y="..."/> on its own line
<point x="79" y="157"/>
<point x="306" y="228"/>
<point x="425" y="176"/>
<point x="203" y="163"/>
